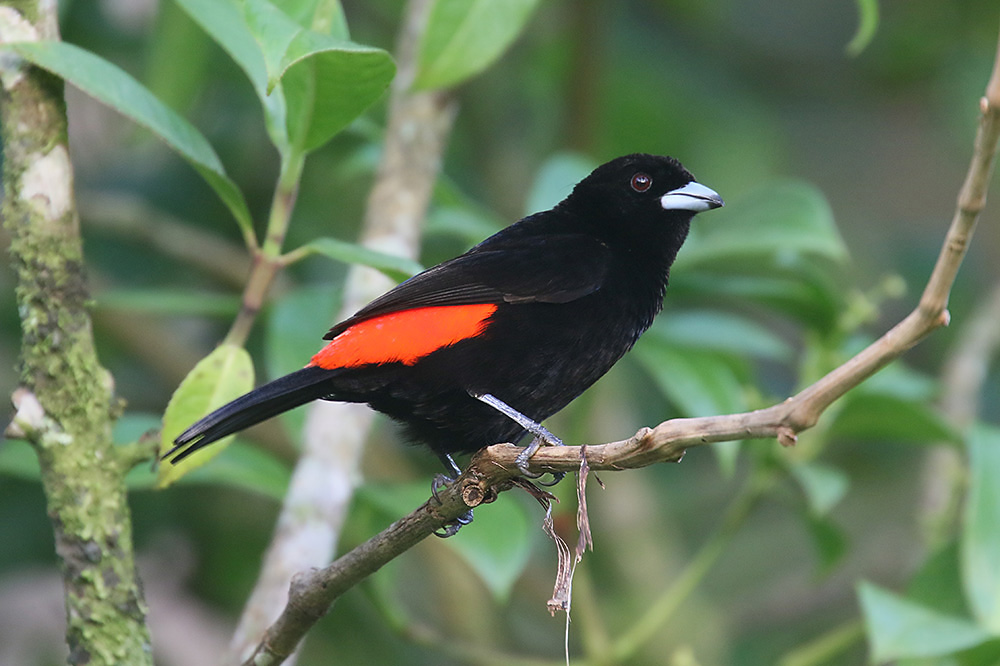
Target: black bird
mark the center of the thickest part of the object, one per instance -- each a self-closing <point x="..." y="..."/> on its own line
<point x="482" y="348"/>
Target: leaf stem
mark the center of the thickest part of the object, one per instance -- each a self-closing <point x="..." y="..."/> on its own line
<point x="267" y="259"/>
<point x="825" y="647"/>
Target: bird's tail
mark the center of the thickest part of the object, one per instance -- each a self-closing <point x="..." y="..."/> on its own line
<point x="284" y="393"/>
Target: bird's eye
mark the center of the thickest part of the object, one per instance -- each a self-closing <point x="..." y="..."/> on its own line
<point x="641" y="182"/>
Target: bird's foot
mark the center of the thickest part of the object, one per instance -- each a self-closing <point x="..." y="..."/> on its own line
<point x="548" y="439"/>
<point x="542" y="435"/>
<point x="440" y="482"/>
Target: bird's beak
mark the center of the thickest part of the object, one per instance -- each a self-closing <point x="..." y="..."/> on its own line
<point x="693" y="196"/>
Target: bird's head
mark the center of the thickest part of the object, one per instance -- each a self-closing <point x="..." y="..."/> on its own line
<point x="641" y="198"/>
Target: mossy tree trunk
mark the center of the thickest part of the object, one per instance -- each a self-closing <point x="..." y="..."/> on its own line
<point x="65" y="403"/>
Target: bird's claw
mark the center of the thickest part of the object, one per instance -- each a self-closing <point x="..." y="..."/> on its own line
<point x="524" y="457"/>
<point x="452" y="528"/>
<point x="440" y="482"/>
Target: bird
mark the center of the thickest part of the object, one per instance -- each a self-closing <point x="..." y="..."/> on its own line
<point x="482" y="348"/>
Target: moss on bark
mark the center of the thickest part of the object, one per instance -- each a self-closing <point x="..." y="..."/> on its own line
<point x="82" y="473"/>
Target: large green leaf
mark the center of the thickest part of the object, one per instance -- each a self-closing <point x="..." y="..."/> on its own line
<point x="782" y="224"/>
<point x="112" y="86"/>
<point x="866" y="415"/>
<point x="555" y="180"/>
<point x="223" y="21"/>
<point x="898" y="627"/>
<point x="223" y="375"/>
<point x="699" y="383"/>
<point x="981" y="533"/>
<point x="938" y="583"/>
<point x="805" y="297"/>
<point x="720" y="331"/>
<point x="326" y="16"/>
<point x="327" y="82"/>
<point x="311" y="85"/>
<point x="464" y="37"/>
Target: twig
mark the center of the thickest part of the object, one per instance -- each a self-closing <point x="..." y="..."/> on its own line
<point x="324" y="479"/>
<point x="313" y="593"/>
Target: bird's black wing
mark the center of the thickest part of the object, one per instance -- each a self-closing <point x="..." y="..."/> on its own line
<point x="550" y="268"/>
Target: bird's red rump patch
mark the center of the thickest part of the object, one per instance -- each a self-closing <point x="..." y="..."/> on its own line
<point x="404" y="336"/>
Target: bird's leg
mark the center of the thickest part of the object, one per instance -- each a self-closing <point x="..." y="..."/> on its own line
<point x="542" y="436"/>
<point x="452" y="466"/>
<point x="441" y="481"/>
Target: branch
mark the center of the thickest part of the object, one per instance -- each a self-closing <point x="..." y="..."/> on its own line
<point x="65" y="403"/>
<point x="313" y="592"/>
<point x="320" y="491"/>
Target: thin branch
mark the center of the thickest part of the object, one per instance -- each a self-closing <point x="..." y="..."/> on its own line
<point x="320" y="491"/>
<point x="312" y="593"/>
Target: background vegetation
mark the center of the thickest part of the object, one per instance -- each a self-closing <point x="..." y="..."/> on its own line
<point x="840" y="171"/>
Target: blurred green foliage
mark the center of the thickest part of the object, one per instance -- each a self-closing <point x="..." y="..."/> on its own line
<point x="839" y="171"/>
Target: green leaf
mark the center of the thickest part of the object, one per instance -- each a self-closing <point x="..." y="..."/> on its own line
<point x="877" y="417"/>
<point x="397" y="268"/>
<point x="722" y="332"/>
<point x="168" y="302"/>
<point x="327" y="82"/>
<point x="112" y="86"/>
<point x="938" y="583"/>
<point x="464" y="37"/>
<point x="496" y="545"/>
<point x="867" y="25"/>
<point x="824" y="486"/>
<point x="555" y="180"/>
<point x="176" y="82"/>
<point x="898" y="627"/>
<point x="698" y="383"/>
<point x="784" y="225"/>
<point x="829" y="541"/>
<point x="220" y="377"/>
<point x="981" y="534"/>
<point x="897" y="380"/>
<point x="805" y="297"/>
<point x="273" y="31"/>
<point x="224" y="22"/>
